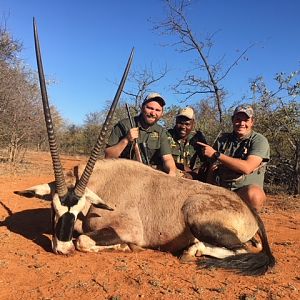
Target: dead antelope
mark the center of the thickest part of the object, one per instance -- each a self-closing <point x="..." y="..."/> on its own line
<point x="121" y="202"/>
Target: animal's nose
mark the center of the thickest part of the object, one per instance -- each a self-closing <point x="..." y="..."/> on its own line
<point x="66" y="253"/>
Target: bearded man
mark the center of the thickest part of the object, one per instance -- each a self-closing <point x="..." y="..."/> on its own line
<point x="150" y="137"/>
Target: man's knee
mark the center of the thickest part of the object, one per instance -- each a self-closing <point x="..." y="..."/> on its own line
<point x="253" y="195"/>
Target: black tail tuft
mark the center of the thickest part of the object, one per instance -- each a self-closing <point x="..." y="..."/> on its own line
<point x="253" y="264"/>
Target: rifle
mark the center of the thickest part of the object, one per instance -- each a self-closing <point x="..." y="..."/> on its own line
<point x="135" y="144"/>
<point x="217" y="137"/>
<point x="145" y="152"/>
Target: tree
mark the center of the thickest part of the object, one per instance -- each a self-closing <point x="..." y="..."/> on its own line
<point x="19" y="109"/>
<point x="207" y="120"/>
<point x="9" y="47"/>
<point x="91" y="129"/>
<point x="71" y="139"/>
<point x="93" y="123"/>
<point x="143" y="82"/>
<point x="205" y="77"/>
<point x="278" y="117"/>
<point x="22" y="120"/>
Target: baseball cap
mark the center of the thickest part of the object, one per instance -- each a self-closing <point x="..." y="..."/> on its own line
<point x="247" y="109"/>
<point x="154" y="97"/>
<point x="187" y="112"/>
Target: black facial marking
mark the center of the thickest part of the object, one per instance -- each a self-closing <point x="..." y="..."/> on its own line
<point x="64" y="227"/>
<point x="52" y="219"/>
<point x="70" y="199"/>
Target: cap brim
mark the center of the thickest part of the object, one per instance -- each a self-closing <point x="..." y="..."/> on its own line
<point x="159" y="100"/>
<point x="185" y="116"/>
<point x="242" y="112"/>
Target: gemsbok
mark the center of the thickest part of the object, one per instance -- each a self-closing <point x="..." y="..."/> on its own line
<point x="118" y="203"/>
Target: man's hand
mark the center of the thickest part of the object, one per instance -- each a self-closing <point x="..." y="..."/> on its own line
<point x="207" y="150"/>
<point x="169" y="164"/>
<point x="242" y="166"/>
<point x="132" y="134"/>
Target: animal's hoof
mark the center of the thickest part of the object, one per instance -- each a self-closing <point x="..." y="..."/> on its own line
<point x="253" y="246"/>
<point x="135" y="248"/>
<point x="187" y="258"/>
<point x="84" y="243"/>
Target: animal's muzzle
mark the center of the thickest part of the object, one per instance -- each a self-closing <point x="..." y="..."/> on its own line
<point x="64" y="227"/>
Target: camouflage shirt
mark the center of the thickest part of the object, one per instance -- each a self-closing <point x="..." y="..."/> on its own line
<point x="231" y="145"/>
<point x="186" y="152"/>
<point x="153" y="141"/>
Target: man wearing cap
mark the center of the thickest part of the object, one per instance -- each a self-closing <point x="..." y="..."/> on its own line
<point x="150" y="137"/>
<point x="239" y="158"/>
<point x="183" y="141"/>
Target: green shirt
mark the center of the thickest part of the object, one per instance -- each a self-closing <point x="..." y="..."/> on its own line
<point x="186" y="152"/>
<point x="255" y="144"/>
<point x="153" y="141"/>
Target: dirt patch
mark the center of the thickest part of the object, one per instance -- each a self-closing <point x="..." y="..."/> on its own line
<point x="29" y="269"/>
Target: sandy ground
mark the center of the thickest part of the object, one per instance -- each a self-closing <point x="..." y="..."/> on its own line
<point x="29" y="269"/>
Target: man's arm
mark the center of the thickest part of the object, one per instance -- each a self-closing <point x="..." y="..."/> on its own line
<point x="166" y="155"/>
<point x="236" y="164"/>
<point x="169" y="164"/>
<point x="115" y="151"/>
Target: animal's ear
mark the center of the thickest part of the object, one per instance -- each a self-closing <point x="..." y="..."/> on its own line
<point x="96" y="200"/>
<point x="43" y="191"/>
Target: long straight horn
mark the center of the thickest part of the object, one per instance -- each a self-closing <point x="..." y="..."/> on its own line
<point x="58" y="171"/>
<point x="82" y="183"/>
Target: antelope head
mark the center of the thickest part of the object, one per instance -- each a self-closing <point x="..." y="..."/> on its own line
<point x="68" y="202"/>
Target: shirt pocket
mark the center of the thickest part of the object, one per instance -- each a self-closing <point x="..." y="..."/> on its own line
<point x="153" y="144"/>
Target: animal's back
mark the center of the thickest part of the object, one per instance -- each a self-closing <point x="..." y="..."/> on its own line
<point x="152" y="200"/>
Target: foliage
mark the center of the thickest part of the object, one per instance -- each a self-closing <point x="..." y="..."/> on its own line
<point x="8" y="46"/>
<point x="22" y="121"/>
<point x="277" y="109"/>
<point x="71" y="140"/>
<point x="278" y="118"/>
<point x="206" y="73"/>
<point x="143" y="81"/>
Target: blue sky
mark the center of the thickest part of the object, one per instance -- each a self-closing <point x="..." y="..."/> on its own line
<point x="85" y="44"/>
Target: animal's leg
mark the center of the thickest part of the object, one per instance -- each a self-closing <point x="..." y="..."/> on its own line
<point x="214" y="238"/>
<point x="106" y="228"/>
<point x="200" y="248"/>
<point x="214" y="233"/>
<point x="103" y="239"/>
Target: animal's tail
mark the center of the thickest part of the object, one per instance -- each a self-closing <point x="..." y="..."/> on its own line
<point x="246" y="263"/>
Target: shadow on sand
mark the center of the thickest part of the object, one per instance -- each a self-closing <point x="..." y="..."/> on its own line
<point x="33" y="224"/>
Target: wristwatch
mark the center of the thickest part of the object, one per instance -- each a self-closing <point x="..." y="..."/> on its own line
<point x="217" y="155"/>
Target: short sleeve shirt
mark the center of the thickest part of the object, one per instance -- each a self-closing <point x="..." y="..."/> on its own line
<point x="187" y="151"/>
<point x="256" y="144"/>
<point x="153" y="141"/>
